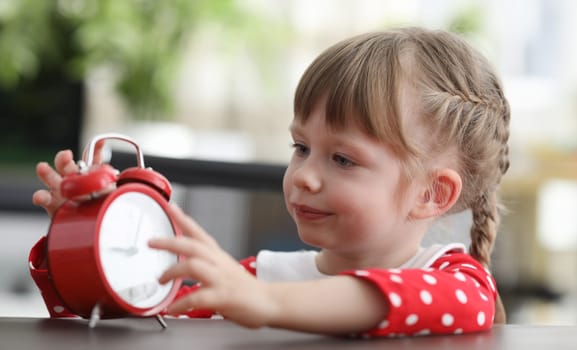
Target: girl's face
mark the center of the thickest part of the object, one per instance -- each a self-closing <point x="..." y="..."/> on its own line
<point x="342" y="190"/>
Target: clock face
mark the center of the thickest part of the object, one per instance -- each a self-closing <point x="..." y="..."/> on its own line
<point x="132" y="268"/>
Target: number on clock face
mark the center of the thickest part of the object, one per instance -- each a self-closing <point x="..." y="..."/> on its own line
<point x="132" y="268"/>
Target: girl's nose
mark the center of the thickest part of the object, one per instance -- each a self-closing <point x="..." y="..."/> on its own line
<point x="307" y="177"/>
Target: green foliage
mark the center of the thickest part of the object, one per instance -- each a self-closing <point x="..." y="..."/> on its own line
<point x="142" y="41"/>
<point x="27" y="39"/>
<point x="467" y="20"/>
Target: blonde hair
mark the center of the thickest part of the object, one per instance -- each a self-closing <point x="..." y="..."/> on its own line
<point x="460" y="104"/>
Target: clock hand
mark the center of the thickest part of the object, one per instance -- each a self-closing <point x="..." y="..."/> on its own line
<point x="134" y="248"/>
<point x="128" y="251"/>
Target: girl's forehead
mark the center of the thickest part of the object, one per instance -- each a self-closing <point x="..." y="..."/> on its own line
<point x="316" y="125"/>
<point x="331" y="118"/>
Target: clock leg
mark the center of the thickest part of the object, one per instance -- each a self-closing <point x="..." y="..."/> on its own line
<point x="94" y="316"/>
<point x="161" y="320"/>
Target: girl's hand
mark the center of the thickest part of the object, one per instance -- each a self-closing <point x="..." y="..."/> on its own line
<point x="227" y="288"/>
<point x="50" y="199"/>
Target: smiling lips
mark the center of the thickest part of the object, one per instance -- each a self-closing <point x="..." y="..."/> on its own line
<point x="307" y="213"/>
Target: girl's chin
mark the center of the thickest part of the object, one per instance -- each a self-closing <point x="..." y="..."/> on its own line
<point x="311" y="241"/>
<point x="318" y="243"/>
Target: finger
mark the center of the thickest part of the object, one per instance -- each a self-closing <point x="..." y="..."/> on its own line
<point x="49" y="177"/>
<point x="46" y="200"/>
<point x="98" y="147"/>
<point x="193" y="268"/>
<point x="49" y="199"/>
<point x="97" y="152"/>
<point x="64" y="163"/>
<point x="200" y="299"/>
<point x="183" y="246"/>
<point x="189" y="226"/>
<point x="41" y="198"/>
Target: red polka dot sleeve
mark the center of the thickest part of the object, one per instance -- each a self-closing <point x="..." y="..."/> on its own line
<point x="455" y="295"/>
<point x="38" y="266"/>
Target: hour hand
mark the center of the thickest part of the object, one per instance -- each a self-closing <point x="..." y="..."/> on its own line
<point x="129" y="251"/>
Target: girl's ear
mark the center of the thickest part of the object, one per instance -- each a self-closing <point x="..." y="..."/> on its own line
<point x="442" y="193"/>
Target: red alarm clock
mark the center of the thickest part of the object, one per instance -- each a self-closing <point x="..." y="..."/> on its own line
<point x="98" y="258"/>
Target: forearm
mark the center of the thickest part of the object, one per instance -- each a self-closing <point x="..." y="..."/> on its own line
<point x="335" y="305"/>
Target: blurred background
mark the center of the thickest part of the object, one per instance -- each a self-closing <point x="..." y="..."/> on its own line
<point x="213" y="80"/>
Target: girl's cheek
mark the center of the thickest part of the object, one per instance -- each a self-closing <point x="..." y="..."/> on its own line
<point x="286" y="183"/>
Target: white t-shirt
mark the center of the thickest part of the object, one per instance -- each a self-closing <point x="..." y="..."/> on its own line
<point x="301" y="265"/>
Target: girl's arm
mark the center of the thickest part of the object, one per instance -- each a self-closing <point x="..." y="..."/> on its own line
<point x="335" y="305"/>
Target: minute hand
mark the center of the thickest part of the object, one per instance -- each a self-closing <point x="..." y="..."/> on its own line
<point x="134" y="247"/>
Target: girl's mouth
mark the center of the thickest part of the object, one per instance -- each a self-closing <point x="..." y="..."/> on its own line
<point x="308" y="213"/>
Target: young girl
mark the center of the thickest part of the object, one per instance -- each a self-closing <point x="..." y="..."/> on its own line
<point x="392" y="130"/>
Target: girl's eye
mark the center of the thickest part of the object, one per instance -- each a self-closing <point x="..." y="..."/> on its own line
<point x="343" y="161"/>
<point x="300" y="149"/>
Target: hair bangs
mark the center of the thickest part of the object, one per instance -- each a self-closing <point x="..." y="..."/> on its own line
<point x="358" y="82"/>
